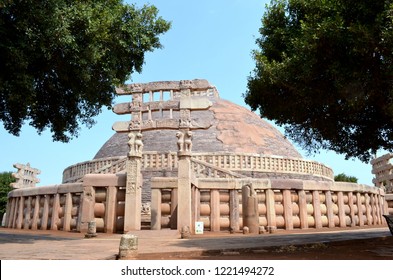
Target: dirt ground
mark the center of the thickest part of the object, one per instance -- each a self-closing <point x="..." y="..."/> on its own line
<point x="364" y="249"/>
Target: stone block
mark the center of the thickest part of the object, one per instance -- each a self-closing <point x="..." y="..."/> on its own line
<point x="128" y="247"/>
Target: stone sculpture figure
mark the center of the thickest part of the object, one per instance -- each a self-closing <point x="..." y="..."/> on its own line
<point x="188" y="141"/>
<point x="180" y="141"/>
<point x="137" y="100"/>
<point x="131" y="143"/>
<point x="184" y="142"/>
<point x="136" y="87"/>
<point x="185" y="118"/>
<point x="138" y="144"/>
<point x="135" y="143"/>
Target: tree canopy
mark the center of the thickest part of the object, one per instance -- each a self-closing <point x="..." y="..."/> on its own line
<point x="324" y="71"/>
<point x="60" y="60"/>
<point x="342" y="177"/>
<point x="5" y="181"/>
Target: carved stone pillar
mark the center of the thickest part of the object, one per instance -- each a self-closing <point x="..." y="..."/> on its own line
<point x="133" y="197"/>
<point x="184" y="213"/>
<point x="86" y="213"/>
<point x="250" y="208"/>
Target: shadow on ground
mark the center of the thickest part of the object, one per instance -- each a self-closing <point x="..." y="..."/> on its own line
<point x="362" y="249"/>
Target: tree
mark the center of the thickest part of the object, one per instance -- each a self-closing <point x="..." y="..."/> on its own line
<point x="60" y="60"/>
<point x="324" y="71"/>
<point x="5" y="180"/>
<point x="345" y="178"/>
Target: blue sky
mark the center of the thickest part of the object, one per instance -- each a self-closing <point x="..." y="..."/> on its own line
<point x="209" y="39"/>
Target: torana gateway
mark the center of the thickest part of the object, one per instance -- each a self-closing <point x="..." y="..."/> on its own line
<point x="182" y="155"/>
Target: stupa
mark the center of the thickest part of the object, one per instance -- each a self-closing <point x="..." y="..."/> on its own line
<point x="184" y="156"/>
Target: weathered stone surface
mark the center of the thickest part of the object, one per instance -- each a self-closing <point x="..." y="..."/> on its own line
<point x="128" y="247"/>
<point x="91" y="230"/>
<point x="196" y="84"/>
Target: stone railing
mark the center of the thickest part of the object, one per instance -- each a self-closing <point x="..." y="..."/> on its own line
<point x="217" y="202"/>
<point x="266" y="164"/>
<point x="159" y="161"/>
<point x="70" y="207"/>
<point x="282" y="204"/>
<point x="50" y="207"/>
<point x="203" y="169"/>
<point x="245" y="164"/>
<point x="110" y="165"/>
<point x="382" y="168"/>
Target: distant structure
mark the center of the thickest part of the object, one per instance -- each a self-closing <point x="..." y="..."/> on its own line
<point x="183" y="156"/>
<point x="26" y="176"/>
<point x="382" y="168"/>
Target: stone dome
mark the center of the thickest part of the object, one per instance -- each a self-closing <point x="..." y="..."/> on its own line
<point x="234" y="129"/>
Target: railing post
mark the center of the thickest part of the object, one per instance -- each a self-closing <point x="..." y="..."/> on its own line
<point x="303" y="209"/>
<point x="67" y="212"/>
<point x="352" y="209"/>
<point x="288" y="214"/>
<point x="156" y="209"/>
<point x="341" y="210"/>
<point x="36" y="212"/>
<point x="110" y="211"/>
<point x="16" y="211"/>
<point x="270" y="209"/>
<point x="196" y="202"/>
<point x="374" y="209"/>
<point x="368" y="210"/>
<point x="379" y="208"/>
<point x="317" y="209"/>
<point x="11" y="212"/>
<point x="329" y="209"/>
<point x="234" y="210"/>
<point x="19" y="220"/>
<point x="360" y="210"/>
<point x="55" y="212"/>
<point x="45" y="213"/>
<point x="26" y="224"/>
<point x="174" y="200"/>
<point x="86" y="209"/>
<point x="214" y="210"/>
